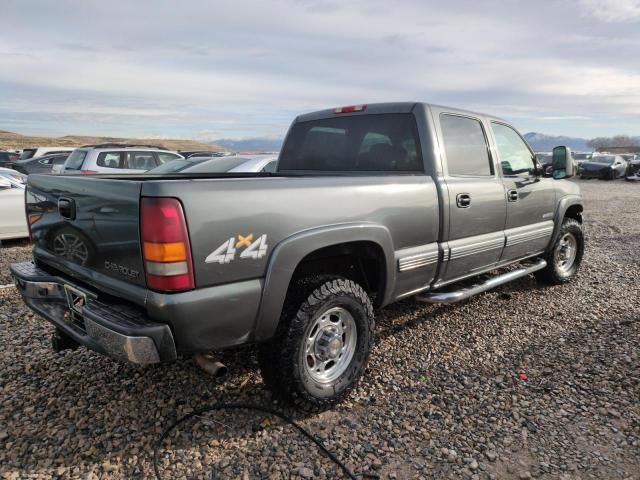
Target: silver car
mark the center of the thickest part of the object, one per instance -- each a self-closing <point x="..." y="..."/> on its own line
<point x="257" y="163"/>
<point x="114" y="159"/>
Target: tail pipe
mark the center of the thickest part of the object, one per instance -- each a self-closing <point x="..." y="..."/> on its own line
<point x="211" y="365"/>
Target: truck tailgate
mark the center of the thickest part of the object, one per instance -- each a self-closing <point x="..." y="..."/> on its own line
<point x="87" y="225"/>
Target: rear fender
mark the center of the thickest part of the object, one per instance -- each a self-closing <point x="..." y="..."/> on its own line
<point x="290" y="252"/>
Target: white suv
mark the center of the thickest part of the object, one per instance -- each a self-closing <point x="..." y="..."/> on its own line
<point x="115" y="158"/>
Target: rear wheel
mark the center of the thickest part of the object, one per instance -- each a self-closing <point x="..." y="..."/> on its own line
<point x="564" y="259"/>
<point x="322" y="344"/>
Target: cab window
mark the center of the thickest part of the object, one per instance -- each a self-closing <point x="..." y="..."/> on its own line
<point x="515" y="156"/>
<point x="465" y="146"/>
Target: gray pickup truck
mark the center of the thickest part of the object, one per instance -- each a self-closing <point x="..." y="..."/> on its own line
<point x="369" y="205"/>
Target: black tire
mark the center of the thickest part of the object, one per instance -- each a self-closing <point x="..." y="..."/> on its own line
<point x="554" y="273"/>
<point x="284" y="366"/>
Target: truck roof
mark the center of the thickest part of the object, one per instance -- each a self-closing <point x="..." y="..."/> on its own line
<point x="389" y="107"/>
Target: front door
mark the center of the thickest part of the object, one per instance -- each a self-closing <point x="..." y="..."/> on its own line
<point x="476" y="201"/>
<point x="530" y="198"/>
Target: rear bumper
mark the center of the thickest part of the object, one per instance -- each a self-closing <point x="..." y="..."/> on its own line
<point x="120" y="331"/>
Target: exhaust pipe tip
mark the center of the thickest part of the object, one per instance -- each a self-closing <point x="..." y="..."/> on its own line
<point x="210" y="364"/>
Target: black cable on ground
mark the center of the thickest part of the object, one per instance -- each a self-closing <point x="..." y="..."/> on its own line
<point x="257" y="408"/>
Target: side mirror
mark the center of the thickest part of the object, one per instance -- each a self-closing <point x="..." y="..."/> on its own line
<point x="563" y="163"/>
<point x="4" y="183"/>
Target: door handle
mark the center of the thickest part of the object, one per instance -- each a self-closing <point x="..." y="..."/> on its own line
<point x="463" y="200"/>
<point x="512" y="195"/>
<point x="67" y="208"/>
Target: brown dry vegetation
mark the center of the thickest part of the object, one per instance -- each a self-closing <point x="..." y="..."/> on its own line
<point x="15" y="140"/>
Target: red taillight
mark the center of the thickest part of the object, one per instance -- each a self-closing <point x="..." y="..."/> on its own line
<point x="165" y="245"/>
<point x="88" y="172"/>
<point x="351" y="109"/>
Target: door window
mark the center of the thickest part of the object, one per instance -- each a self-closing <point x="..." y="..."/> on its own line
<point x="109" y="160"/>
<point x="140" y="161"/>
<point x="465" y="146"/>
<point x="166" y="157"/>
<point x="515" y="156"/>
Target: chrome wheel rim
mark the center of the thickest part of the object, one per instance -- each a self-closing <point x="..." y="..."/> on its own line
<point x="566" y="252"/>
<point x="71" y="247"/>
<point x="329" y="344"/>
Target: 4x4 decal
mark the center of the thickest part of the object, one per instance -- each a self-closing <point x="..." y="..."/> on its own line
<point x="226" y="252"/>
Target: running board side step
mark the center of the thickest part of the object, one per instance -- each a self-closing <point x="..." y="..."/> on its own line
<point x="463" y="294"/>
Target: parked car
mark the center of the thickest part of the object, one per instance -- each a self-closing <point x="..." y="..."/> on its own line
<point x="633" y="170"/>
<point x="606" y="167"/>
<point x="198" y="153"/>
<point x="115" y="158"/>
<point x="581" y="157"/>
<point x="15" y="177"/>
<point x="7" y="159"/>
<point x="42" y="164"/>
<point x="13" y="222"/>
<point x="368" y="205"/>
<point x="258" y="163"/>
<point x="28" y="153"/>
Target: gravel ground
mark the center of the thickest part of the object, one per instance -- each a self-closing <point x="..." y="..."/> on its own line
<point x="443" y="396"/>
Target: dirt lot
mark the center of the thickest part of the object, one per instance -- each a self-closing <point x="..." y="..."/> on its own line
<point x="442" y="397"/>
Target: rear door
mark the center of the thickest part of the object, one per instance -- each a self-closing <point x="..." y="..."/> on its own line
<point x="530" y="198"/>
<point x="476" y="200"/>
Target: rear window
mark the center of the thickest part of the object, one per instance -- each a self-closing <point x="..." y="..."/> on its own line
<point x="75" y="160"/>
<point x="358" y="143"/>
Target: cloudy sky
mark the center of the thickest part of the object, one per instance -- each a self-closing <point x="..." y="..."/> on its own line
<point x="210" y="69"/>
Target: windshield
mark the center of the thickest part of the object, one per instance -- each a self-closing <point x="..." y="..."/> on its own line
<point x="582" y="156"/>
<point x="75" y="160"/>
<point x="606" y="159"/>
<point x="27" y="153"/>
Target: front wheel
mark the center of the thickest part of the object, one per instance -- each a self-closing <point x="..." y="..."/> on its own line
<point x="564" y="259"/>
<point x="322" y="344"/>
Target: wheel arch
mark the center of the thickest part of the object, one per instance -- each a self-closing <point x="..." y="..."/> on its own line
<point x="568" y="207"/>
<point x="309" y="249"/>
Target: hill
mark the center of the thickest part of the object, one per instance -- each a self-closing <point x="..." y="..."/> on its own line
<point x="545" y="143"/>
<point x="15" y="140"/>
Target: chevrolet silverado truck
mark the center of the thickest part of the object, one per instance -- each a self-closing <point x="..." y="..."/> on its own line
<point x="369" y="204"/>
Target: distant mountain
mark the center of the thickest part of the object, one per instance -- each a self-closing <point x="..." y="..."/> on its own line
<point x="251" y="144"/>
<point x="545" y="143"/>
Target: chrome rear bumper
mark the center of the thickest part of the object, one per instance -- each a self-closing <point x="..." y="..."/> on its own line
<point x="116" y="329"/>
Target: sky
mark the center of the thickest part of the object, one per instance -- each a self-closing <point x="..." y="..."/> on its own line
<point x="207" y="69"/>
